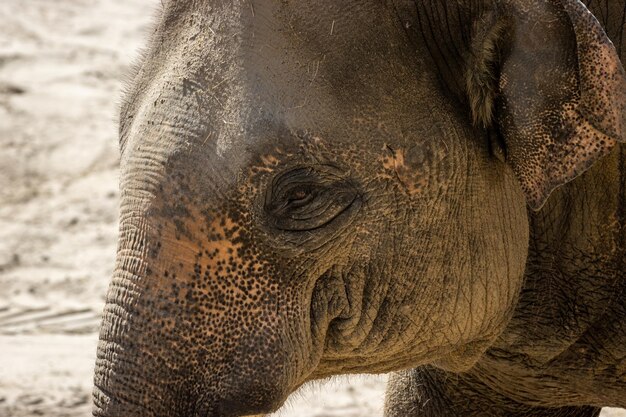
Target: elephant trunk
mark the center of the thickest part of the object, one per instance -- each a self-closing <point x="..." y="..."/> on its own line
<point x="122" y="389"/>
<point x="126" y="384"/>
<point x="186" y="331"/>
<point x="195" y="323"/>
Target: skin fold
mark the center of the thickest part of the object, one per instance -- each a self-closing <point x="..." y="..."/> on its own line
<point x="313" y="188"/>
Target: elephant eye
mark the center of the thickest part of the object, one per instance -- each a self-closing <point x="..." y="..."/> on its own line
<point x="308" y="198"/>
<point x="300" y="196"/>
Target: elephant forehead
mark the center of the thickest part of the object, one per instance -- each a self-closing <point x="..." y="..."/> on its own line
<point x="220" y="73"/>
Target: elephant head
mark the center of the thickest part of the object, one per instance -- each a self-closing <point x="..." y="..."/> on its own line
<point x="312" y="188"/>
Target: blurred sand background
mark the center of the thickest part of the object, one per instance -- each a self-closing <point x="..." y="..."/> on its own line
<point x="62" y="63"/>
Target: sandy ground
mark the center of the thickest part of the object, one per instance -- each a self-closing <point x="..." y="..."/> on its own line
<point x="61" y="63"/>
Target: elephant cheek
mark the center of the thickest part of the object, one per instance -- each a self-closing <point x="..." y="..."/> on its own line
<point x="194" y="324"/>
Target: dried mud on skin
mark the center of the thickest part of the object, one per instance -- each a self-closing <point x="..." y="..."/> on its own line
<point x="61" y="66"/>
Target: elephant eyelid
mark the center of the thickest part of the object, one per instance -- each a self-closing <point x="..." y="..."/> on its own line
<point x="295" y="196"/>
<point x="308" y="198"/>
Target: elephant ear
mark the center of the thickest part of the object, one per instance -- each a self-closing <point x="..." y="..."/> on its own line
<point x="551" y="80"/>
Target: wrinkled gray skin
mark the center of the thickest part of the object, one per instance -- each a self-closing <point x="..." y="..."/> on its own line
<point x="317" y="187"/>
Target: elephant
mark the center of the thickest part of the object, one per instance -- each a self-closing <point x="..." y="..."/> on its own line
<point x="429" y="188"/>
